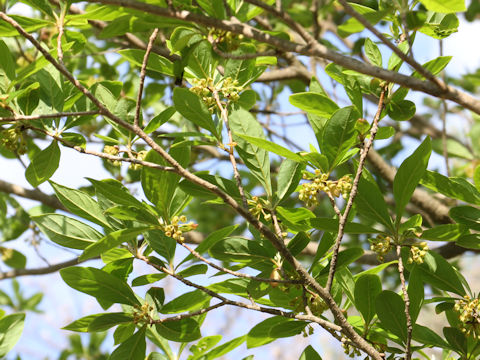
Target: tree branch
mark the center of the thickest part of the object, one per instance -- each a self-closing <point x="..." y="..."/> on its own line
<point x="353" y="193"/>
<point x="40" y="271"/>
<point x="315" y="49"/>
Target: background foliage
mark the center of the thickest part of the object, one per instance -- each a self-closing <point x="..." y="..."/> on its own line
<point x="211" y="185"/>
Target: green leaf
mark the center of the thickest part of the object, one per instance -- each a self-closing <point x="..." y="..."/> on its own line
<point x="309" y="354"/>
<point x="12" y="258"/>
<point x="244" y="71"/>
<point x="99" y="322"/>
<point x="416" y="293"/>
<point x="203" y="345"/>
<point x="133" y="348"/>
<point x="454" y="149"/>
<point x="225" y="348"/>
<point x="185" y="330"/>
<point x="163" y="245"/>
<point x="99" y="284"/>
<point x="81" y="204"/>
<point x="367" y="287"/>
<point x="256" y="159"/>
<point x="476" y="177"/>
<point x="401" y="110"/>
<point x="28" y="24"/>
<point x="456" y="339"/>
<point x="7" y="63"/>
<point x="466" y="215"/>
<point x="370" y="203"/>
<point x="298" y="243"/>
<point x="43" y="165"/>
<point x="200" y="60"/>
<point x="159" y="120"/>
<point x="155" y="62"/>
<point x="112" y="240"/>
<point x="189" y="301"/>
<point x="159" y="186"/>
<point x="289" y="176"/>
<point x="445" y="6"/>
<point x="211" y="239"/>
<point x="470" y="241"/>
<point x="453" y="187"/>
<point x="272" y="147"/>
<point x="11" y="327"/>
<point x="238" y="250"/>
<point x="115" y="191"/>
<point x="444" y="232"/>
<point x="391" y="312"/>
<point x="339" y="135"/>
<point x="424" y="335"/>
<point x="66" y="231"/>
<point x="190" y="106"/>
<point x="437" y="272"/>
<point x="314" y="103"/>
<point x="272" y="328"/>
<point x="372" y="52"/>
<point x="408" y="175"/>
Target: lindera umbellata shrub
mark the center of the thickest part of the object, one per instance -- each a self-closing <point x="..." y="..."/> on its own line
<point x="326" y="238"/>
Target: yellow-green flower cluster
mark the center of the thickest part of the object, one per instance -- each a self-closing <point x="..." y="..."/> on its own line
<point x="226" y="89"/>
<point x="417" y="253"/>
<point x="319" y="182"/>
<point x="139" y="156"/>
<point x="13" y="139"/>
<point x="381" y="245"/>
<point x="112" y="150"/>
<point x="143" y="314"/>
<point x="350" y="350"/>
<point x="175" y="230"/>
<point x="469" y="316"/>
<point x="317" y="305"/>
<point x="256" y="208"/>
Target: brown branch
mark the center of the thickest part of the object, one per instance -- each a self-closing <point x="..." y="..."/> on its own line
<point x="103" y="155"/>
<point x="236" y="273"/>
<point x="324" y="323"/>
<point x="315" y="49"/>
<point x="143" y="72"/>
<point x="189" y="315"/>
<point x="236" y="174"/>
<point x="406" y="300"/>
<point x="35" y="194"/>
<point x="353" y="193"/>
<point x="40" y="271"/>
<point x="47" y="116"/>
<point x="408" y="59"/>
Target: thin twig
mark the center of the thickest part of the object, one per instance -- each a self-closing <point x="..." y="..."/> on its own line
<point x="40" y="271"/>
<point x="189" y="315"/>
<point x="130" y="159"/>
<point x="408" y="59"/>
<point x="236" y="273"/>
<point x="236" y="174"/>
<point x="60" y="26"/>
<point x="443" y="117"/>
<point x="406" y="300"/>
<point x="324" y="323"/>
<point x="353" y="193"/>
<point x="48" y="116"/>
<point x="143" y="72"/>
